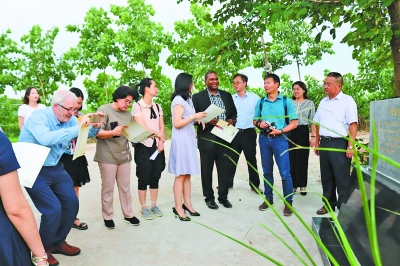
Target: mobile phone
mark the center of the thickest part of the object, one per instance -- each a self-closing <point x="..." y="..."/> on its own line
<point x="114" y="125"/>
<point x="95" y="119"/>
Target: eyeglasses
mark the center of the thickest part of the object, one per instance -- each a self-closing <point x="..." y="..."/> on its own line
<point x="69" y="110"/>
<point x="237" y="82"/>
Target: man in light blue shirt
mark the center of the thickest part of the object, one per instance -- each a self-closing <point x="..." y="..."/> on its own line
<point x="275" y="116"/>
<point x="246" y="138"/>
<point x="53" y="191"/>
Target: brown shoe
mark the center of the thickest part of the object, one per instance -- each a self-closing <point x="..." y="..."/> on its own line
<point x="50" y="258"/>
<point x="264" y="206"/>
<point x="324" y="210"/>
<point x="286" y="210"/>
<point x="65" y="249"/>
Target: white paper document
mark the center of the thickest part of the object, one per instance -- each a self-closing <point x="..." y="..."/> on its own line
<point x="136" y="133"/>
<point x="80" y="147"/>
<point x="212" y="112"/>
<point x="31" y="158"/>
<point x="225" y="131"/>
<point x="154" y="155"/>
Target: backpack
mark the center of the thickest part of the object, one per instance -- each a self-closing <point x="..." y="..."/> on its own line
<point x="284" y="106"/>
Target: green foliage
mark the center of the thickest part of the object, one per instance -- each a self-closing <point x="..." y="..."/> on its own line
<point x="128" y="45"/>
<point x="9" y="116"/>
<point x="100" y="91"/>
<point x="292" y="42"/>
<point x="40" y="66"/>
<point x="201" y="46"/>
<point x="373" y="23"/>
<point x="9" y="61"/>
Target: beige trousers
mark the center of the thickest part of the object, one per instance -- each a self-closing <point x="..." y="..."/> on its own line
<point x="110" y="173"/>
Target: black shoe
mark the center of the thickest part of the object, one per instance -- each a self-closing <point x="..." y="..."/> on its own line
<point x="109" y="224"/>
<point x="191" y="213"/>
<point x="184" y="219"/>
<point x="132" y="221"/>
<point x="226" y="203"/>
<point x="212" y="205"/>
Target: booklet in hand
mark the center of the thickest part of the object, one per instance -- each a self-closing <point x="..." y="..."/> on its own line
<point x="136" y="133"/>
<point x="225" y="131"/>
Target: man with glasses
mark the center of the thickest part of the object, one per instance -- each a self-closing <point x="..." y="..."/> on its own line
<point x="246" y="139"/>
<point x="53" y="191"/>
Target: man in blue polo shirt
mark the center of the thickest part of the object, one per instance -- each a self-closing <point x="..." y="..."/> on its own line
<point x="275" y="116"/>
<point x="53" y="191"/>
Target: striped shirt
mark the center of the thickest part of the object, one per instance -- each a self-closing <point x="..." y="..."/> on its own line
<point x="305" y="111"/>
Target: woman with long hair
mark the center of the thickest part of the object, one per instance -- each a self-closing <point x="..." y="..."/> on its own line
<point x="31" y="104"/>
<point x="305" y="110"/>
<point x="150" y="116"/>
<point x="183" y="161"/>
<point x="114" y="157"/>
<point x="77" y="168"/>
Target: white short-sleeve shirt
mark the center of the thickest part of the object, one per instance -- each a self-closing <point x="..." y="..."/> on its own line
<point x="25" y="110"/>
<point x="335" y="115"/>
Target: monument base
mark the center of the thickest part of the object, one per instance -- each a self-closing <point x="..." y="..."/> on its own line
<point x="352" y="220"/>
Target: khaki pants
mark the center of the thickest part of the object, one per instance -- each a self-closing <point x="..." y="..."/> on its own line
<point x="110" y="173"/>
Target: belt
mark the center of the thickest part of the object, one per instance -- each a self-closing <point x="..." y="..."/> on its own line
<point x="245" y="129"/>
<point x="275" y="136"/>
<point x="327" y="138"/>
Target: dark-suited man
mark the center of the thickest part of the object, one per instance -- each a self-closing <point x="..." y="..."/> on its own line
<point x="211" y="152"/>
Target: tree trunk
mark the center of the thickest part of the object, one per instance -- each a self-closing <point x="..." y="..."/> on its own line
<point x="298" y="69"/>
<point x="394" y="13"/>
<point x="265" y="54"/>
<point x="105" y="84"/>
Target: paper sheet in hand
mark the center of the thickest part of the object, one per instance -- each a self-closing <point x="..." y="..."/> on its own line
<point x="154" y="155"/>
<point x="80" y="147"/>
<point x="225" y="131"/>
<point x="212" y="112"/>
<point x="31" y="158"/>
<point x="136" y="133"/>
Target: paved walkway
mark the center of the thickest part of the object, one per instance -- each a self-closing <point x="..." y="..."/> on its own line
<point x="168" y="241"/>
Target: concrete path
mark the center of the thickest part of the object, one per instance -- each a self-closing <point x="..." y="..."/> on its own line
<point x="168" y="241"/>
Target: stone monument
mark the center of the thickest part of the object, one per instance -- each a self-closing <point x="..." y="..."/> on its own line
<point x="385" y="115"/>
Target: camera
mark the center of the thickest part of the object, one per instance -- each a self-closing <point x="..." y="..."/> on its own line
<point x="268" y="129"/>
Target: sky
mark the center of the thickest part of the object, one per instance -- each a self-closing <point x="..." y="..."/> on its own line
<point x="21" y="15"/>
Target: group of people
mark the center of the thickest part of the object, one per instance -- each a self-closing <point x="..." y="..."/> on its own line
<point x="283" y="123"/>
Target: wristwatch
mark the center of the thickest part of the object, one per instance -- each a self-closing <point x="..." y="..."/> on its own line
<point x="350" y="147"/>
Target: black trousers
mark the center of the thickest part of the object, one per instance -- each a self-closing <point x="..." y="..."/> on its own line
<point x="335" y="170"/>
<point x="246" y="141"/>
<point x="299" y="158"/>
<point x="218" y="155"/>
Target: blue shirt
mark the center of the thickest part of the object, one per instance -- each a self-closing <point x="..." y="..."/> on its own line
<point x="44" y="129"/>
<point x="275" y="111"/>
<point x="245" y="109"/>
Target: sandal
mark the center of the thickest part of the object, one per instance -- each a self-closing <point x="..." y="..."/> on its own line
<point x="324" y="210"/>
<point x="81" y="226"/>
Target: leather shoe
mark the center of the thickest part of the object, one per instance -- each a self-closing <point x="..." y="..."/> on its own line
<point x="212" y="205"/>
<point x="286" y="210"/>
<point x="50" y="258"/>
<point x="264" y="206"/>
<point x="324" y="210"/>
<point x="226" y="203"/>
<point x="65" y="249"/>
